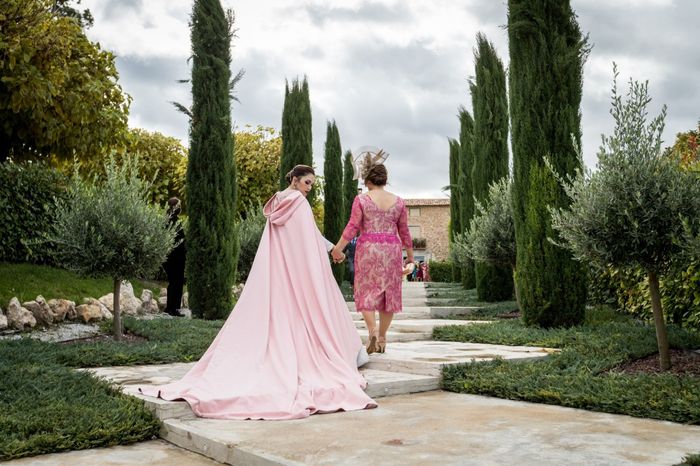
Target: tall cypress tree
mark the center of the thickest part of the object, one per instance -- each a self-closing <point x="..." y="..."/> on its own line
<point x="211" y="171"/>
<point x="466" y="193"/>
<point x="333" y="206"/>
<point x="455" y="219"/>
<point x="490" y="146"/>
<point x="296" y="131"/>
<point x="349" y="186"/>
<point x="547" y="52"/>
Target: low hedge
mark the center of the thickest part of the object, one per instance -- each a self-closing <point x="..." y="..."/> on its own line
<point x="583" y="374"/>
<point x="48" y="406"/>
<point x="440" y="271"/>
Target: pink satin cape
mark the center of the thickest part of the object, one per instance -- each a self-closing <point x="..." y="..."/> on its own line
<point x="289" y="348"/>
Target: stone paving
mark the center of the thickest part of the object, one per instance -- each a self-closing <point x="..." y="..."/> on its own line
<point x="415" y="422"/>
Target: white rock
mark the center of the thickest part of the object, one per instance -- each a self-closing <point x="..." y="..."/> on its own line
<point x="62" y="309"/>
<point x="19" y="317"/>
<point x="128" y="304"/>
<point x="185" y="303"/>
<point x="41" y="311"/>
<point x="146" y="295"/>
<point x="89" y="312"/>
<point x="104" y="311"/>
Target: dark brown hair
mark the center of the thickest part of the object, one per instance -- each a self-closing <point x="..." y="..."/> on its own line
<point x="377" y="175"/>
<point x="299" y="171"/>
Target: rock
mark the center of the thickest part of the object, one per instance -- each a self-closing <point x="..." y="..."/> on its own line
<point x="41" y="311"/>
<point x="146" y="295"/>
<point x="62" y="309"/>
<point x="19" y="317"/>
<point x="106" y="314"/>
<point x="163" y="299"/>
<point x="128" y="303"/>
<point x="3" y="320"/>
<point x="185" y="303"/>
<point x="89" y="312"/>
<point x="148" y="304"/>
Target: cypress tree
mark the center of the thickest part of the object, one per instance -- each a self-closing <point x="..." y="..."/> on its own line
<point x="296" y="131"/>
<point x="333" y="206"/>
<point x="455" y="219"/>
<point x="490" y="151"/>
<point x="547" y="52"/>
<point x="466" y="206"/>
<point x="211" y="171"/>
<point x="349" y="186"/>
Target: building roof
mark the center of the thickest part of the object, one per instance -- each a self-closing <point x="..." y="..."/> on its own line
<point x="427" y="202"/>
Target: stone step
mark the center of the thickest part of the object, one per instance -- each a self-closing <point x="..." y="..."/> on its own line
<point x="429" y="357"/>
<point x="379" y="384"/>
<point x="401" y="336"/>
<point x="422" y="325"/>
<point x="407" y="313"/>
<point x="440" y="312"/>
<point x="407" y="304"/>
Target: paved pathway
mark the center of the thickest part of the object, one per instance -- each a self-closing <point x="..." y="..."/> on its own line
<point x="415" y="422"/>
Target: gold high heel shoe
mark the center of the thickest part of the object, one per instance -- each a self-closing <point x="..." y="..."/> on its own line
<point x="381" y="345"/>
<point x="372" y="342"/>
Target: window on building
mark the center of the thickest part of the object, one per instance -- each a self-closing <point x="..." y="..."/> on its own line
<point x="415" y="231"/>
<point x="414" y="211"/>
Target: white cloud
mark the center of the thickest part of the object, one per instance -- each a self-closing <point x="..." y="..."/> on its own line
<point x="391" y="72"/>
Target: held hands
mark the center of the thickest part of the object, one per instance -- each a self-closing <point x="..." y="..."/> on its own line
<point x="337" y="255"/>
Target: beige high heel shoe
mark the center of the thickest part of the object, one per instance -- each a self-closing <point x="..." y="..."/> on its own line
<point x="372" y="342"/>
<point x="381" y="345"/>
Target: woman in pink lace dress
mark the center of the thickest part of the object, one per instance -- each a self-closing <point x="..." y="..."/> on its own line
<point x="382" y="221"/>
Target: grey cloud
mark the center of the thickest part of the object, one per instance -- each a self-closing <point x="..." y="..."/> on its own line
<point x="118" y="7"/>
<point x="367" y="12"/>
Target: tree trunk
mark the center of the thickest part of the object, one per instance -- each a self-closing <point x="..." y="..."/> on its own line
<point x="117" y="312"/>
<point x="661" y="338"/>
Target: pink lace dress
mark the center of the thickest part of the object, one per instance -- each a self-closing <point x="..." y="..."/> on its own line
<point x="378" y="258"/>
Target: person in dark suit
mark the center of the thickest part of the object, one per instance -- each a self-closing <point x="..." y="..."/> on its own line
<point x="175" y="263"/>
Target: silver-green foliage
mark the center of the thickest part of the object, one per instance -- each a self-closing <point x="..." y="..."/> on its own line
<point x="250" y="230"/>
<point x="110" y="229"/>
<point x="491" y="235"/>
<point x="631" y="211"/>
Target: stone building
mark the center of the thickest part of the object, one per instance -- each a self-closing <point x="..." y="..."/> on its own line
<point x="430" y="219"/>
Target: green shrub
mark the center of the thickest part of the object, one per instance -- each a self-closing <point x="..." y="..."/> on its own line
<point x="27" y="193"/>
<point x="440" y="271"/>
<point x="690" y="460"/>
<point x="628" y="291"/>
<point x="250" y="230"/>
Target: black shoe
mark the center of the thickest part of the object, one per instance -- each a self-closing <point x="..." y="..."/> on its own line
<point x="174" y="314"/>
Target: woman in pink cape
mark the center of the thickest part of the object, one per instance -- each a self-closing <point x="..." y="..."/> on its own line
<point x="289" y="349"/>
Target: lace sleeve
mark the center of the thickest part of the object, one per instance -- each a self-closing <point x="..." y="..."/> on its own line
<point x="404" y="232"/>
<point x="353" y="226"/>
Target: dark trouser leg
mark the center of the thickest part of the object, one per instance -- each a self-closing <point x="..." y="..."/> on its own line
<point x="174" y="295"/>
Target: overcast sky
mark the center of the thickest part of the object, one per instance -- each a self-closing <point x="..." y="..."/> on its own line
<point x="392" y="73"/>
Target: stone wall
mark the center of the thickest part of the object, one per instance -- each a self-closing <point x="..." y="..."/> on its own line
<point x="430" y="219"/>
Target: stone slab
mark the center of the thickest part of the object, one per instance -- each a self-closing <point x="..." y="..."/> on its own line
<point x="379" y="384"/>
<point x="428" y="357"/>
<point x="422" y="325"/>
<point x="407" y="304"/>
<point x="407" y="313"/>
<point x="441" y="428"/>
<point x="440" y="312"/>
<point x="401" y="336"/>
<point x="153" y="453"/>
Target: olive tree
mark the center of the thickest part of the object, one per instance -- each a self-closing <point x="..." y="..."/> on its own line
<point x="635" y="209"/>
<point x="490" y="237"/>
<point x="108" y="228"/>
